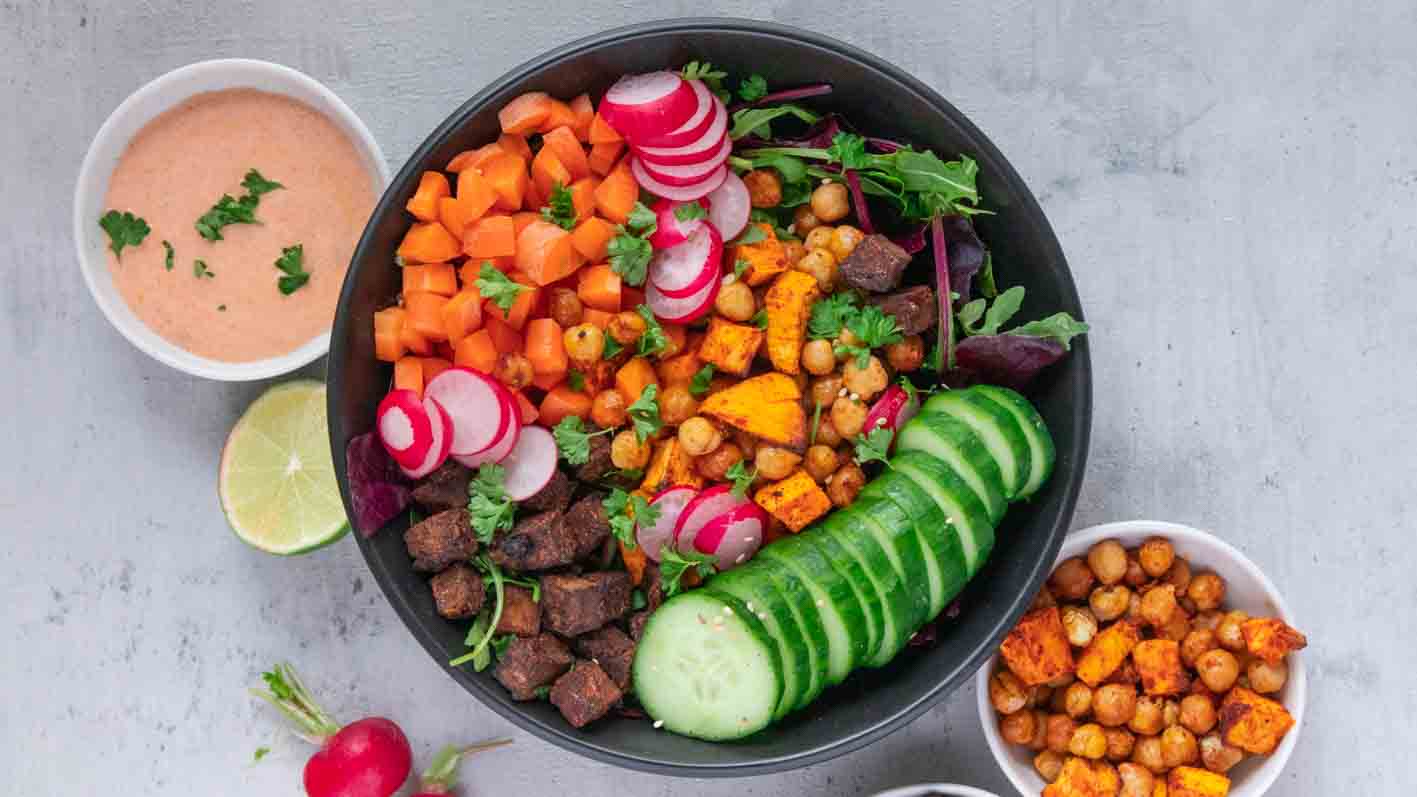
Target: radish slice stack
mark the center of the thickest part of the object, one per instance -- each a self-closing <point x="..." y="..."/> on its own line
<point x="733" y="536"/>
<point x="707" y="505"/>
<point x="677" y="130"/>
<point x="405" y="428"/>
<point x="441" y="428"/>
<point x="531" y="464"/>
<point x="670" y="504"/>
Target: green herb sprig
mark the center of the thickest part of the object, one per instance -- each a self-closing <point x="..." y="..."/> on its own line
<point x="292" y="265"/>
<point x="673" y="564"/>
<point x="124" y="229"/>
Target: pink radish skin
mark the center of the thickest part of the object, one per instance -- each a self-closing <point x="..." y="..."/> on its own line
<point x="644" y="107"/>
<point x="500" y="449"/>
<point x="530" y="465"/>
<point x="404" y="428"/>
<point x="707" y="505"/>
<point x="696" y="151"/>
<point x="669" y="231"/>
<point x="670" y="503"/>
<point x="441" y="427"/>
<point x="892" y="410"/>
<point x="684" y="193"/>
<point x="681" y="311"/>
<point x="733" y="536"/>
<point x="473" y="402"/>
<point x="730" y="206"/>
<point x="684" y="270"/>
<point x="693" y="128"/>
<point x="689" y="173"/>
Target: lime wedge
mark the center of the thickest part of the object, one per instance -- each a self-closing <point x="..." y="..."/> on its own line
<point x="277" y="481"/>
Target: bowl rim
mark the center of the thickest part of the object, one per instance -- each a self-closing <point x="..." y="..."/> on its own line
<point x="1256" y="782"/>
<point x="560" y="734"/>
<point x="948" y="789"/>
<point x="94" y="265"/>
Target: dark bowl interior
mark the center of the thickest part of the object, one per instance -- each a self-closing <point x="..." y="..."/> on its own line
<point x="877" y="98"/>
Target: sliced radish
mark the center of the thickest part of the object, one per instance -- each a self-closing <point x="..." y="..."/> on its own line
<point x="892" y="410"/>
<point x="669" y="230"/>
<point x="682" y="271"/>
<point x="681" y="311"/>
<point x="730" y="206"/>
<point x="475" y="406"/>
<point x="696" y="151"/>
<point x="689" y="173"/>
<point x="707" y="505"/>
<point x="530" y="465"/>
<point x="644" y="107"/>
<point x="695" y="126"/>
<point x="404" y="428"/>
<point x="733" y="536"/>
<point x="683" y="193"/>
<point x="499" y="450"/>
<point x="441" y="427"/>
<point x="670" y="503"/>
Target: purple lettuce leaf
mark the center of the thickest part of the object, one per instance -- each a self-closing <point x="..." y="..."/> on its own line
<point x="377" y="488"/>
<point x="912" y="240"/>
<point x="786" y="95"/>
<point x="1009" y="360"/>
<point x="966" y="254"/>
<point x="858" y="198"/>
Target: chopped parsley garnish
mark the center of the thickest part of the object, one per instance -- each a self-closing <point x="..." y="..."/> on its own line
<point x="292" y="263"/>
<point x="673" y="564"/>
<point x="124" y="229"/>
<point x="573" y="439"/>
<point x="488" y="504"/>
<point x="874" y="446"/>
<point x="740" y="266"/>
<point x="169" y="257"/>
<point x="612" y="348"/>
<point x="653" y="340"/>
<point x="493" y="284"/>
<point x="576" y="381"/>
<point x="760" y="319"/>
<point x="261" y="752"/>
<point x="829" y="315"/>
<point x="644" y="413"/>
<point x="752" y="88"/>
<point x="229" y="210"/>
<point x="875" y="328"/>
<point x="199" y="269"/>
<point x="703" y="378"/>
<point x="561" y="208"/>
<point x="849" y="150"/>
<point x="752" y="235"/>
<point x="630" y="251"/>
<point x="256" y="185"/>
<point x="741" y="477"/>
<point x="625" y="510"/>
<point x="711" y="77"/>
<point x="689" y="211"/>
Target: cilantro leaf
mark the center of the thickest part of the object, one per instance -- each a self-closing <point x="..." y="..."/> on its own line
<point x="642" y="220"/>
<point x="561" y="208"/>
<point x="257" y="185"/>
<point x="576" y="381"/>
<point x="169" y="257"/>
<point x="644" y="413"/>
<point x="752" y="88"/>
<point x="629" y="256"/>
<point x="488" y="504"/>
<point x="760" y="319"/>
<point x="1059" y="326"/>
<point x="199" y="269"/>
<point x="848" y="149"/>
<point x="690" y="211"/>
<point x="573" y="440"/>
<point x="495" y="285"/>
<point x="124" y="229"/>
<point x="830" y="314"/>
<point x="741" y="477"/>
<point x="653" y="340"/>
<point x="226" y="211"/>
<point x="292" y="262"/>
<point x="625" y="510"/>
<point x="673" y="564"/>
<point x="740" y="266"/>
<point x="612" y="348"/>
<point x="699" y="385"/>
<point x="874" y="446"/>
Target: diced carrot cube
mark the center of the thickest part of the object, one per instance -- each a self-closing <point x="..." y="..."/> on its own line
<point x="439" y="278"/>
<point x="521" y="220"/>
<point x="414" y="342"/>
<point x="477" y="192"/>
<point x="432" y="366"/>
<point x="583" y="197"/>
<point x="525" y="113"/>
<point x="617" y="194"/>
<point x="545" y="253"/>
<point x="477" y="351"/>
<point x="507" y="174"/>
<point x="388" y="330"/>
<point x="592" y="238"/>
<point x="560" y="402"/>
<point x="462" y="315"/>
<point x="515" y="145"/>
<point x="603" y="157"/>
<point x="522" y="306"/>
<point x="547" y="172"/>
<point x="585" y="114"/>
<point x="561" y="115"/>
<point x="562" y="141"/>
<point x="599" y="288"/>
<point x="526" y="410"/>
<point x="489" y="237"/>
<point x="506" y="339"/>
<point x="428" y="242"/>
<point x="425" y="314"/>
<point x="600" y="318"/>
<point x="424" y="203"/>
<point x="474" y="158"/>
<point x="602" y="133"/>
<point x="408" y="375"/>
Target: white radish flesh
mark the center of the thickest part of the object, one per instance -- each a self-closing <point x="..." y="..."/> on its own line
<point x="530" y="465"/>
<point x="644" y="107"/>
<point x="689" y="173"/>
<point x="669" y="230"/>
<point x="682" y="193"/>
<point x="730" y="206"/>
<point x="891" y="410"/>
<point x="733" y="536"/>
<point x="693" y="128"/>
<point x="441" y="427"/>
<point x="472" y="401"/>
<point x="499" y="450"/>
<point x="696" y="151"/>
<point x="681" y="311"/>
<point x="404" y="427"/>
<point x="683" y="270"/>
<point x="670" y="503"/>
<point x="705" y="506"/>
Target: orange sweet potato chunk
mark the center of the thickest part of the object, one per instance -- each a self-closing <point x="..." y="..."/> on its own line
<point x="1107" y="651"/>
<point x="1037" y="650"/>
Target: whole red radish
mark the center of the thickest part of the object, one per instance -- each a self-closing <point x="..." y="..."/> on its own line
<point x="367" y="758"/>
<point x="442" y="775"/>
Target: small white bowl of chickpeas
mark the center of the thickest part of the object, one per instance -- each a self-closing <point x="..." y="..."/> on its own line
<point x="1178" y="663"/>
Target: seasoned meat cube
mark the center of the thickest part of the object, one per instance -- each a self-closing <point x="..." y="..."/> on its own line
<point x="914" y="309"/>
<point x="584" y="694"/>
<point x="440" y="540"/>
<point x="530" y="663"/>
<point x="520" y="614"/>
<point x="535" y="543"/>
<point x="637" y="623"/>
<point x="588" y="524"/>
<point x="875" y="265"/>
<point x="612" y="649"/>
<point x="654" y="588"/>
<point x="573" y="605"/>
<point x="599" y="464"/>
<point x="553" y="497"/>
<point x="458" y="592"/>
<point x="444" y="488"/>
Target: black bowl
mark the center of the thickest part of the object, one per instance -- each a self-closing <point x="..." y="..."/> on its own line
<point x="884" y="101"/>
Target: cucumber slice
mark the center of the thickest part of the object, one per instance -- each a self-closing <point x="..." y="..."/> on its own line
<point x="995" y="426"/>
<point x="945" y="560"/>
<point x="760" y="597"/>
<point x="706" y="668"/>
<point x="833" y="599"/>
<point x="804" y="610"/>
<point x="952" y="441"/>
<point x="1040" y="442"/>
<point x="895" y="534"/>
<point x="881" y="576"/>
<point x="963" y="511"/>
<point x="846" y="566"/>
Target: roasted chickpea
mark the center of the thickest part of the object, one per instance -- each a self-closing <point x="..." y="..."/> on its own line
<point x="848" y="416"/>
<point x="1229" y="633"/>
<point x="735" y="301"/>
<point x="1018" y="728"/>
<point x="1088" y="741"/>
<point x="804" y="221"/>
<point x="826" y="433"/>
<point x="1040" y="695"/>
<point x="747" y="443"/>
<point x="1040" y="731"/>
<point x="1197" y="714"/>
<point x="1177" y="627"/>
<point x="1135" y="576"/>
<point x="1207" y="590"/>
<point x="1060" y="732"/>
<point x="1134" y="608"/>
<point x="1049" y="765"/>
<point x="1119" y="743"/>
<point x="1147" y="752"/>
<point x="1137" y="780"/>
<point x="821" y="265"/>
<point x="565" y="307"/>
<point x="907" y="355"/>
<point x="1158" y="604"/>
<point x="677" y="404"/>
<point x="698" y="436"/>
<point x="845" y="239"/>
<point x="1072" y="580"/>
<point x="1079" y="625"/>
<point x="821" y="462"/>
<point x="865" y="382"/>
<point x="846" y="484"/>
<point x="825" y="390"/>
<point x="1043" y="599"/>
<point x="1187" y="605"/>
<point x="1146" y="717"/>
<point x="764" y="188"/>
<point x="818" y="237"/>
<point x="1058" y="701"/>
<point x="1196" y="643"/>
<point x="1109" y="602"/>
<point x="715" y="464"/>
<point x="608" y="409"/>
<point x="1114" y="704"/>
<point x="1007" y="693"/>
<point x="627" y="452"/>
<point x="775" y="463"/>
<point x="1178" y="747"/>
<point x="1178" y="576"/>
<point x="792" y="251"/>
<point x="818" y="357"/>
<point x="1170" y="713"/>
<point x="1208" y="620"/>
<point x="1267" y="678"/>
<point x="1063" y="680"/>
<point x="585" y="345"/>
<point x="513" y="370"/>
<point x="1156" y="556"/>
<point x="831" y="202"/>
<point x="626" y="328"/>
<point x="1217" y="756"/>
<point x="1108" y="560"/>
<point x="1077" y="700"/>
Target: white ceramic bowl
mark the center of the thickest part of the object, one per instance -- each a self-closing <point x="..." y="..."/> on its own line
<point x="1247" y="589"/>
<point x="126" y="120"/>
<point x="931" y="789"/>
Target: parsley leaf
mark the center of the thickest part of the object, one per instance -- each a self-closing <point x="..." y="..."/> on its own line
<point x="227" y="211"/>
<point x="625" y="510"/>
<point x="653" y="340"/>
<point x="689" y="211"/>
<point x="758" y="121"/>
<point x="488" y="504"/>
<point x="500" y="645"/>
<point x="171" y="254"/>
<point x="699" y="385"/>
<point x="875" y="328"/>
<point x="752" y="88"/>
<point x="199" y="269"/>
<point x="741" y="477"/>
<point x="575" y="380"/>
<point x="561" y="208"/>
<point x="292" y="262"/>
<point x="644" y="413"/>
<point x="760" y="319"/>
<point x="740" y="267"/>
<point x="642" y="220"/>
<point x="849" y="150"/>
<point x="874" y="446"/>
<point x="261" y="752"/>
<point x="257" y="185"/>
<point x="124" y="229"/>
<point x="829" y="315"/>
<point x="629" y="256"/>
<point x="752" y="235"/>
<point x="673" y="564"/>
<point x="573" y="440"/>
<point x="711" y="77"/>
<point x="638" y="600"/>
<point x="495" y="285"/>
<point x="612" y="348"/>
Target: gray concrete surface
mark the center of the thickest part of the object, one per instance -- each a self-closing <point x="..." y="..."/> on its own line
<point x="1235" y="187"/>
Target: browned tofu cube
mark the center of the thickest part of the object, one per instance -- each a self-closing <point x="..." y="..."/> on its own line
<point x="585" y="694"/>
<point x="438" y="541"/>
<point x="1271" y="639"/>
<point x="1194" y="782"/>
<point x="520" y="614"/>
<point x="796" y="500"/>
<point x="1037" y="650"/>
<point x="531" y="663"/>
<point x="730" y="347"/>
<point x="1107" y="651"/>
<point x="458" y="592"/>
<point x="572" y="605"/>
<point x="1252" y="722"/>
<point x="1159" y="665"/>
<point x="1083" y="778"/>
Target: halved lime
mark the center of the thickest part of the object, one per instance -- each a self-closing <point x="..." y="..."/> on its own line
<point x="277" y="481"/>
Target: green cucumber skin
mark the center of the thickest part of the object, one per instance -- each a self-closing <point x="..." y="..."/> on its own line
<point x="853" y="573"/>
<point x="834" y="598"/>
<point x="799" y="601"/>
<point x="881" y="576"/>
<point x="1044" y="453"/>
<point x="1012" y="451"/>
<point x="950" y="570"/>
<point x="895" y="534"/>
<point x="952" y="441"/>
<point x="966" y="516"/>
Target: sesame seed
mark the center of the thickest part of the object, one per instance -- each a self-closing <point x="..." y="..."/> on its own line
<point x="880" y="421"/>
<point x="729" y="279"/>
<point x="826" y="181"/>
<point x="739" y="561"/>
<point x="842" y="392"/>
<point x="750" y="605"/>
<point x="727" y="610"/>
<point x="659" y="724"/>
<point x="828" y="479"/>
<point x="855" y="396"/>
<point x="821" y="602"/>
<point x="747" y="539"/>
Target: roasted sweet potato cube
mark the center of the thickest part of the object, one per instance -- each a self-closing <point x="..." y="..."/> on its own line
<point x="669" y="466"/>
<point x="1195" y="782"/>
<point x="1037" y="650"/>
<point x="730" y="347"/>
<point x="1253" y="722"/>
<point x="1159" y="789"/>
<point x="766" y="258"/>
<point x="1159" y="665"/>
<point x="768" y="406"/>
<point x="796" y="500"/>
<point x="789" y="306"/>
<point x="1107" y="651"/>
<point x="1271" y="639"/>
<point x="1083" y="778"/>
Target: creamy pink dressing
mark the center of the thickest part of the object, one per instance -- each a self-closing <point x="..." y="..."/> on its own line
<point x="181" y="163"/>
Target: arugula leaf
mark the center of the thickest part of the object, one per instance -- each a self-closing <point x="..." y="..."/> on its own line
<point x="488" y="504"/>
<point x="793" y="170"/>
<point x="753" y="87"/>
<point x="985" y="278"/>
<point x="199" y="269"/>
<point x="292" y="262"/>
<point x="689" y="211"/>
<point x="942" y="188"/>
<point x="171" y="255"/>
<point x="912" y="393"/>
<point x="575" y="380"/>
<point x="1060" y="327"/>
<point x="760" y="319"/>
<point x="874" y="446"/>
<point x="644" y="414"/>
<point x="482" y="658"/>
<point x="740" y="266"/>
<point x="849" y="150"/>
<point x="829" y="315"/>
<point x="573" y="441"/>
<point x="561" y="208"/>
<point x="257" y="185"/>
<point x="124" y="229"/>
<point x="1002" y="309"/>
<point x="653" y="340"/>
<point x="495" y="285"/>
<point x="673" y="564"/>
<point x="816" y="424"/>
<point x="758" y="121"/>
<point x="970" y="314"/>
<point x="226" y="211"/>
<point x="703" y="379"/>
<point x="741" y="477"/>
<point x="261" y="752"/>
<point x="500" y="643"/>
